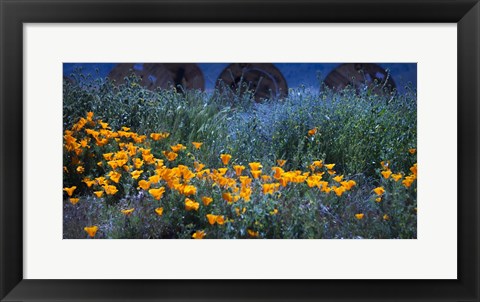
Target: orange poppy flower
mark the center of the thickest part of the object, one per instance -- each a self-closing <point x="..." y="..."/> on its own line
<point x="70" y="190"/>
<point x="88" y="182"/>
<point x="339" y="191"/>
<point x="312" y="131"/>
<point x="386" y="173"/>
<point x="396" y="177"/>
<point x="379" y="190"/>
<point x="255" y="166"/>
<point x="177" y="147"/>
<point x="256" y="173"/>
<point x="128" y="211"/>
<point x="136" y="174"/>
<point x="171" y="156"/>
<point x="157" y="193"/>
<point x="159" y="211"/>
<point x="220" y="220"/>
<point x="197" y="145"/>
<point x="110" y="190"/>
<point x="154" y="179"/>
<point x="144" y="184"/>
<point x="108" y="156"/>
<point x="348" y="184"/>
<point x="199" y="235"/>
<point x="211" y="218"/>
<point x="191" y="205"/>
<point x="238" y="169"/>
<point x="330" y="166"/>
<point x="227" y="197"/>
<point x="189" y="190"/>
<point x="206" y="200"/>
<point x="138" y="163"/>
<point x="114" y="176"/>
<point x="338" y="178"/>
<point x="91" y="230"/>
<point x="225" y="158"/>
<point x="155" y="136"/>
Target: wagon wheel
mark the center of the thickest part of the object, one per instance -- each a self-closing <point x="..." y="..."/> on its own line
<point x="263" y="79"/>
<point x="360" y="75"/>
<point x="163" y="75"/>
<point x="187" y="75"/>
<point x="152" y="75"/>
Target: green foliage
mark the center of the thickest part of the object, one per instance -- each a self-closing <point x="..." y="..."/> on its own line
<point x="353" y="130"/>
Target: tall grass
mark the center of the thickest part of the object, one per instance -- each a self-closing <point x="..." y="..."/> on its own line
<point x="355" y="130"/>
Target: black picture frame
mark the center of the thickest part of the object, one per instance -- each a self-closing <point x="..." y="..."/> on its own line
<point x="14" y="13"/>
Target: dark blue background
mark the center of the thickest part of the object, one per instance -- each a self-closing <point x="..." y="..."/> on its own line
<point x="296" y="74"/>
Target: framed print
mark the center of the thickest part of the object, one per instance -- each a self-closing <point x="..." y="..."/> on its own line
<point x="287" y="135"/>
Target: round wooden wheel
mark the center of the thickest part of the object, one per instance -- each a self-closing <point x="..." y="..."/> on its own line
<point x="360" y="76"/>
<point x="263" y="79"/>
<point x="152" y="75"/>
<point x="187" y="75"/>
<point x="163" y="75"/>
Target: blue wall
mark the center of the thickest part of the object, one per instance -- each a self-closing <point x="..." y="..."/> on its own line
<point x="295" y="73"/>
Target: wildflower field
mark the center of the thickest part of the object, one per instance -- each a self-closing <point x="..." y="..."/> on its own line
<point x="190" y="164"/>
